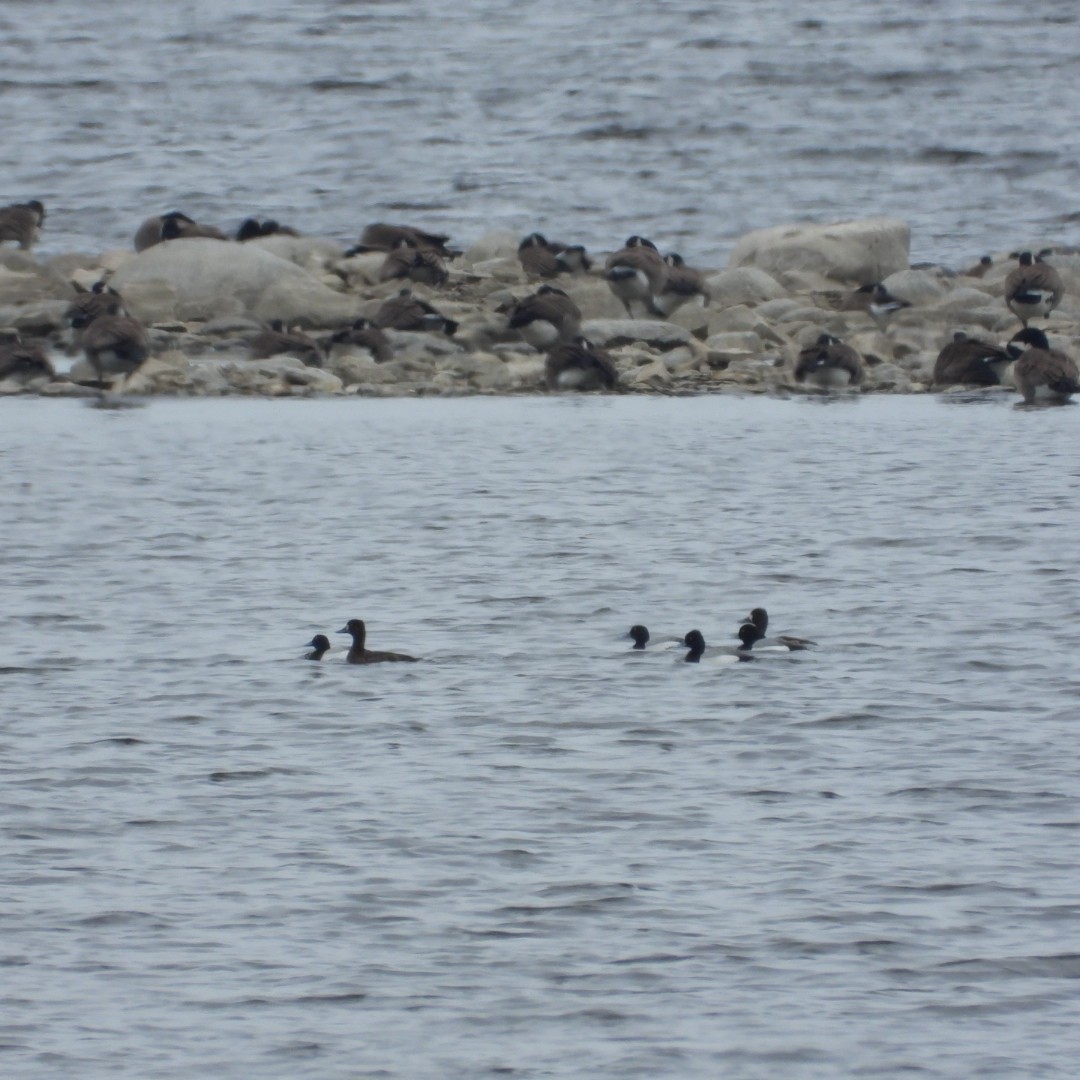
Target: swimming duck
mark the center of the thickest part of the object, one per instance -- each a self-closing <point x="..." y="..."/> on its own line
<point x="546" y="317"/>
<point x="829" y="364"/>
<point x="695" y="643"/>
<point x="759" y="620"/>
<point x="21" y="222"/>
<point x="876" y="300"/>
<point x="636" y="272"/>
<point x="1041" y="373"/>
<point x="319" y="645"/>
<point x="640" y="636"/>
<point x="970" y="361"/>
<point x="681" y="284"/>
<point x="408" y="312"/>
<point x="579" y="365"/>
<point x="1034" y="288"/>
<point x="358" y="654"/>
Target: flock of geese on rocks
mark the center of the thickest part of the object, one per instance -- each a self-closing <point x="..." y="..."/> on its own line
<point x="753" y="632"/>
<point x="645" y="282"/>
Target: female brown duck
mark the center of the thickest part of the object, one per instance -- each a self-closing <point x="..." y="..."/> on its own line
<point x="358" y="654"/>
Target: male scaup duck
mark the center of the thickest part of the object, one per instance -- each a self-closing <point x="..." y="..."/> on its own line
<point x="1034" y="288"/>
<point x="1041" y="373"/>
<point x="637" y="272"/>
<point x="545" y="318"/>
<point x="970" y="362"/>
<point x="829" y="364"/>
<point x="759" y="620"/>
<point x="358" y="654"/>
<point x="695" y="643"/>
<point x="21" y="223"/>
<point x="319" y="645"/>
<point x="640" y="636"/>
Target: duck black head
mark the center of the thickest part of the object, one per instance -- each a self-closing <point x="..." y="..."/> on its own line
<point x="640" y="635"/>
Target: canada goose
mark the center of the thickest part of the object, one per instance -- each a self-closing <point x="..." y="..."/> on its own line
<point x="681" y="284"/>
<point x="580" y="365"/>
<point x="637" y="272"/>
<point x="115" y="345"/>
<point x="276" y="340"/>
<point x="252" y="228"/>
<point x="1033" y="289"/>
<point x="172" y="226"/>
<point x="363" y="334"/>
<point x="546" y="317"/>
<point x="408" y="312"/>
<point x="1041" y="373"/>
<point x="969" y="361"/>
<point x="422" y="265"/>
<point x="537" y="257"/>
<point x="980" y="268"/>
<point x="381" y="237"/>
<point x="21" y="222"/>
<point x="360" y="654"/>
<point x="22" y="362"/>
<point x="876" y="301"/>
<point x="829" y="364"/>
<point x="101" y="300"/>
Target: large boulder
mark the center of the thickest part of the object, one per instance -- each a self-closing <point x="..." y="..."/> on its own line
<point x="851" y="251"/>
<point x="209" y="278"/>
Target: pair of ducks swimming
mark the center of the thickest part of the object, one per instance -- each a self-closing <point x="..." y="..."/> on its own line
<point x="358" y="653"/>
<point x="752" y="632"/>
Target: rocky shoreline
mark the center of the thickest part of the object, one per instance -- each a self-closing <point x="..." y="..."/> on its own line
<point x="203" y="300"/>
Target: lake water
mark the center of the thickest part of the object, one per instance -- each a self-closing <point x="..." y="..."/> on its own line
<point x="687" y="121"/>
<point x="535" y="854"/>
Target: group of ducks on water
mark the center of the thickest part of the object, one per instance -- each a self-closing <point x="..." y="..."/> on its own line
<point x="638" y="275"/>
<point x="752" y="632"/>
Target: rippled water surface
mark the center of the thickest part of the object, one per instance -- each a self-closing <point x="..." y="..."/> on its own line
<point x="535" y="854"/>
<point x="689" y="121"/>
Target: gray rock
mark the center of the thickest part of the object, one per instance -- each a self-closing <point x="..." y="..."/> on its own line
<point x="745" y="285"/>
<point x="918" y="287"/>
<point x="211" y="279"/>
<point x="852" y="251"/>
<point x="611" y="333"/>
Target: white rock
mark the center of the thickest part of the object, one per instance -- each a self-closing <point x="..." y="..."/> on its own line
<point x="498" y="244"/>
<point x="853" y="251"/>
<point x="917" y="287"/>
